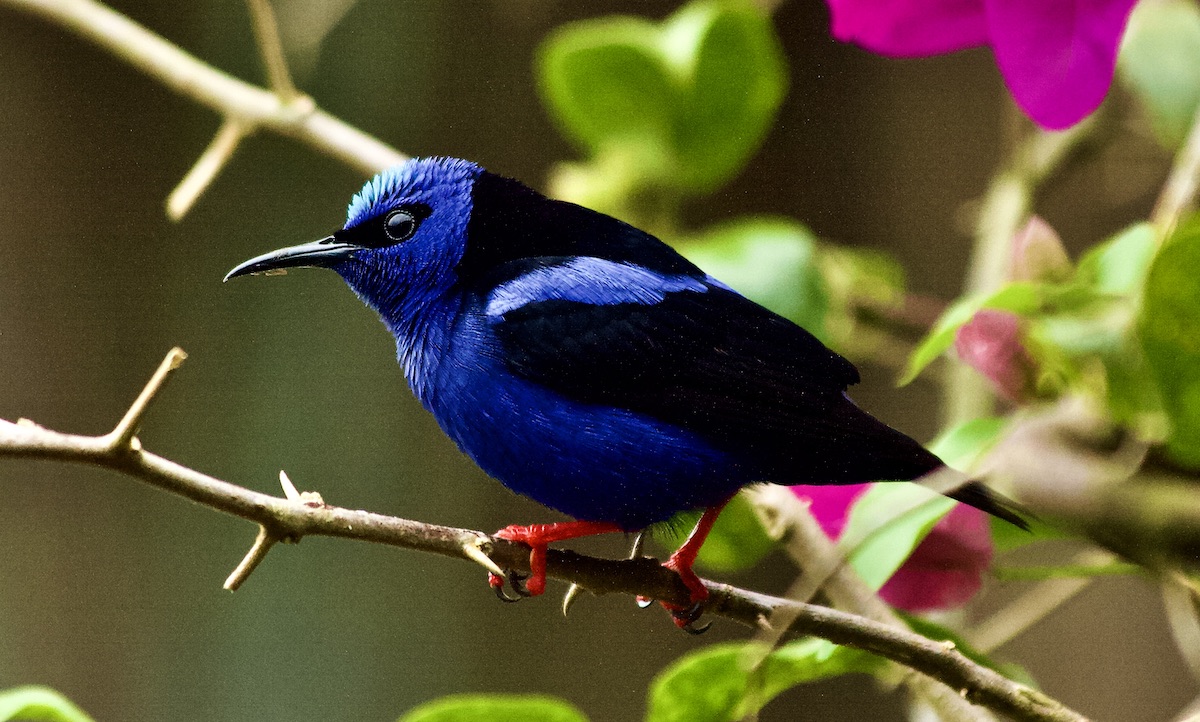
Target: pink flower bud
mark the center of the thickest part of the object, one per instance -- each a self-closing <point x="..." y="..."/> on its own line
<point x="946" y="569"/>
<point x="991" y="343"/>
<point x="1038" y="253"/>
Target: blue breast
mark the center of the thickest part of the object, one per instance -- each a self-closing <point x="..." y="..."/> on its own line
<point x="591" y="462"/>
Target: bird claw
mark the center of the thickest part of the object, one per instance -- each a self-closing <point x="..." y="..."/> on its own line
<point x="686" y="617"/>
<point x="693" y="630"/>
<point x="503" y="596"/>
<point x="515" y="580"/>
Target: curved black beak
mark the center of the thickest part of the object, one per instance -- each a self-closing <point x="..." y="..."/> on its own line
<point x="318" y="254"/>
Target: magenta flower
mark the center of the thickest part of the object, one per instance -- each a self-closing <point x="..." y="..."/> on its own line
<point x="944" y="571"/>
<point x="1057" y="56"/>
<point x="992" y="343"/>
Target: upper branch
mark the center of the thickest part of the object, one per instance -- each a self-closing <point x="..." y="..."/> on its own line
<point x="297" y="117"/>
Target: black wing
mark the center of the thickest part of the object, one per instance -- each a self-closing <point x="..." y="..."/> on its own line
<point x="717" y="364"/>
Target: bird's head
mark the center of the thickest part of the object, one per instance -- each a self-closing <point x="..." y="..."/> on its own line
<point x="405" y="232"/>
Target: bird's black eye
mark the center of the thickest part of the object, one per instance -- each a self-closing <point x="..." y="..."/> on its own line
<point x="400" y="225"/>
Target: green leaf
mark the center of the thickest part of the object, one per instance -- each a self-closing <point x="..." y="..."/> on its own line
<point x="727" y="55"/>
<point x="495" y="708"/>
<point x="961" y="446"/>
<point x="1100" y="328"/>
<point x="877" y="540"/>
<point x="771" y="261"/>
<point x="606" y="83"/>
<point x="860" y="282"/>
<point x="1118" y="266"/>
<point x="1169" y="327"/>
<point x="1021" y="298"/>
<point x="1160" y="61"/>
<point x="1006" y="537"/>
<point x="1095" y="321"/>
<point x="714" y="684"/>
<point x="1091" y="313"/>
<point x="1134" y="398"/>
<point x="737" y="541"/>
<point x="699" y="90"/>
<point x="38" y="703"/>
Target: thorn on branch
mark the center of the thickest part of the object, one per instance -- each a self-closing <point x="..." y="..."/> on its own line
<point x="311" y="499"/>
<point x="570" y="597"/>
<point x="289" y="489"/>
<point x="476" y="550"/>
<point x="121" y="437"/>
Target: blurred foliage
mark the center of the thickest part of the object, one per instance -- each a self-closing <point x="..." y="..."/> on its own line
<point x="1169" y="325"/>
<point x="1021" y="298"/>
<point x="38" y="703"/>
<point x="662" y="109"/>
<point x="1160" y="62"/>
<point x="885" y="524"/>
<point x="727" y="682"/>
<point x="1080" y="330"/>
<point x="737" y="540"/>
<point x="495" y="708"/>
<point x="862" y="283"/>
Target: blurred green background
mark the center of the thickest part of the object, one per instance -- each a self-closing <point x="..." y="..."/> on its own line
<point x="111" y="591"/>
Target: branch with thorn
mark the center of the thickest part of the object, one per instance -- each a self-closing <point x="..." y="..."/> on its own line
<point x="296" y="515"/>
<point x="244" y="108"/>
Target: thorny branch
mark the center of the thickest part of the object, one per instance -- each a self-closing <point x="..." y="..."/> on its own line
<point x="244" y="107"/>
<point x="297" y="515"/>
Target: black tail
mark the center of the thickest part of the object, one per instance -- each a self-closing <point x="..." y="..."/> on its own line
<point x="974" y="493"/>
<point x="866" y="448"/>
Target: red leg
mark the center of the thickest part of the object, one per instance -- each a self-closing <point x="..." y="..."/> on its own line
<point x="538" y="536"/>
<point x="682" y="560"/>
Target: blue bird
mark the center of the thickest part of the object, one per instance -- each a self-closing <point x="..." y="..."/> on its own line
<point x="588" y="366"/>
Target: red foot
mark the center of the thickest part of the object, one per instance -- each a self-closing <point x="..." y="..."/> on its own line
<point x="681" y="563"/>
<point x="538" y="537"/>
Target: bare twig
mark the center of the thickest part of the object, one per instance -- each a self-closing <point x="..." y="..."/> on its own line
<point x="121" y="437"/>
<point x="262" y="544"/>
<point x="235" y="99"/>
<point x="1183" y="614"/>
<point x="1033" y="606"/>
<point x="266" y="32"/>
<point x="286" y="518"/>
<point x="210" y="163"/>
<point x="1179" y="192"/>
